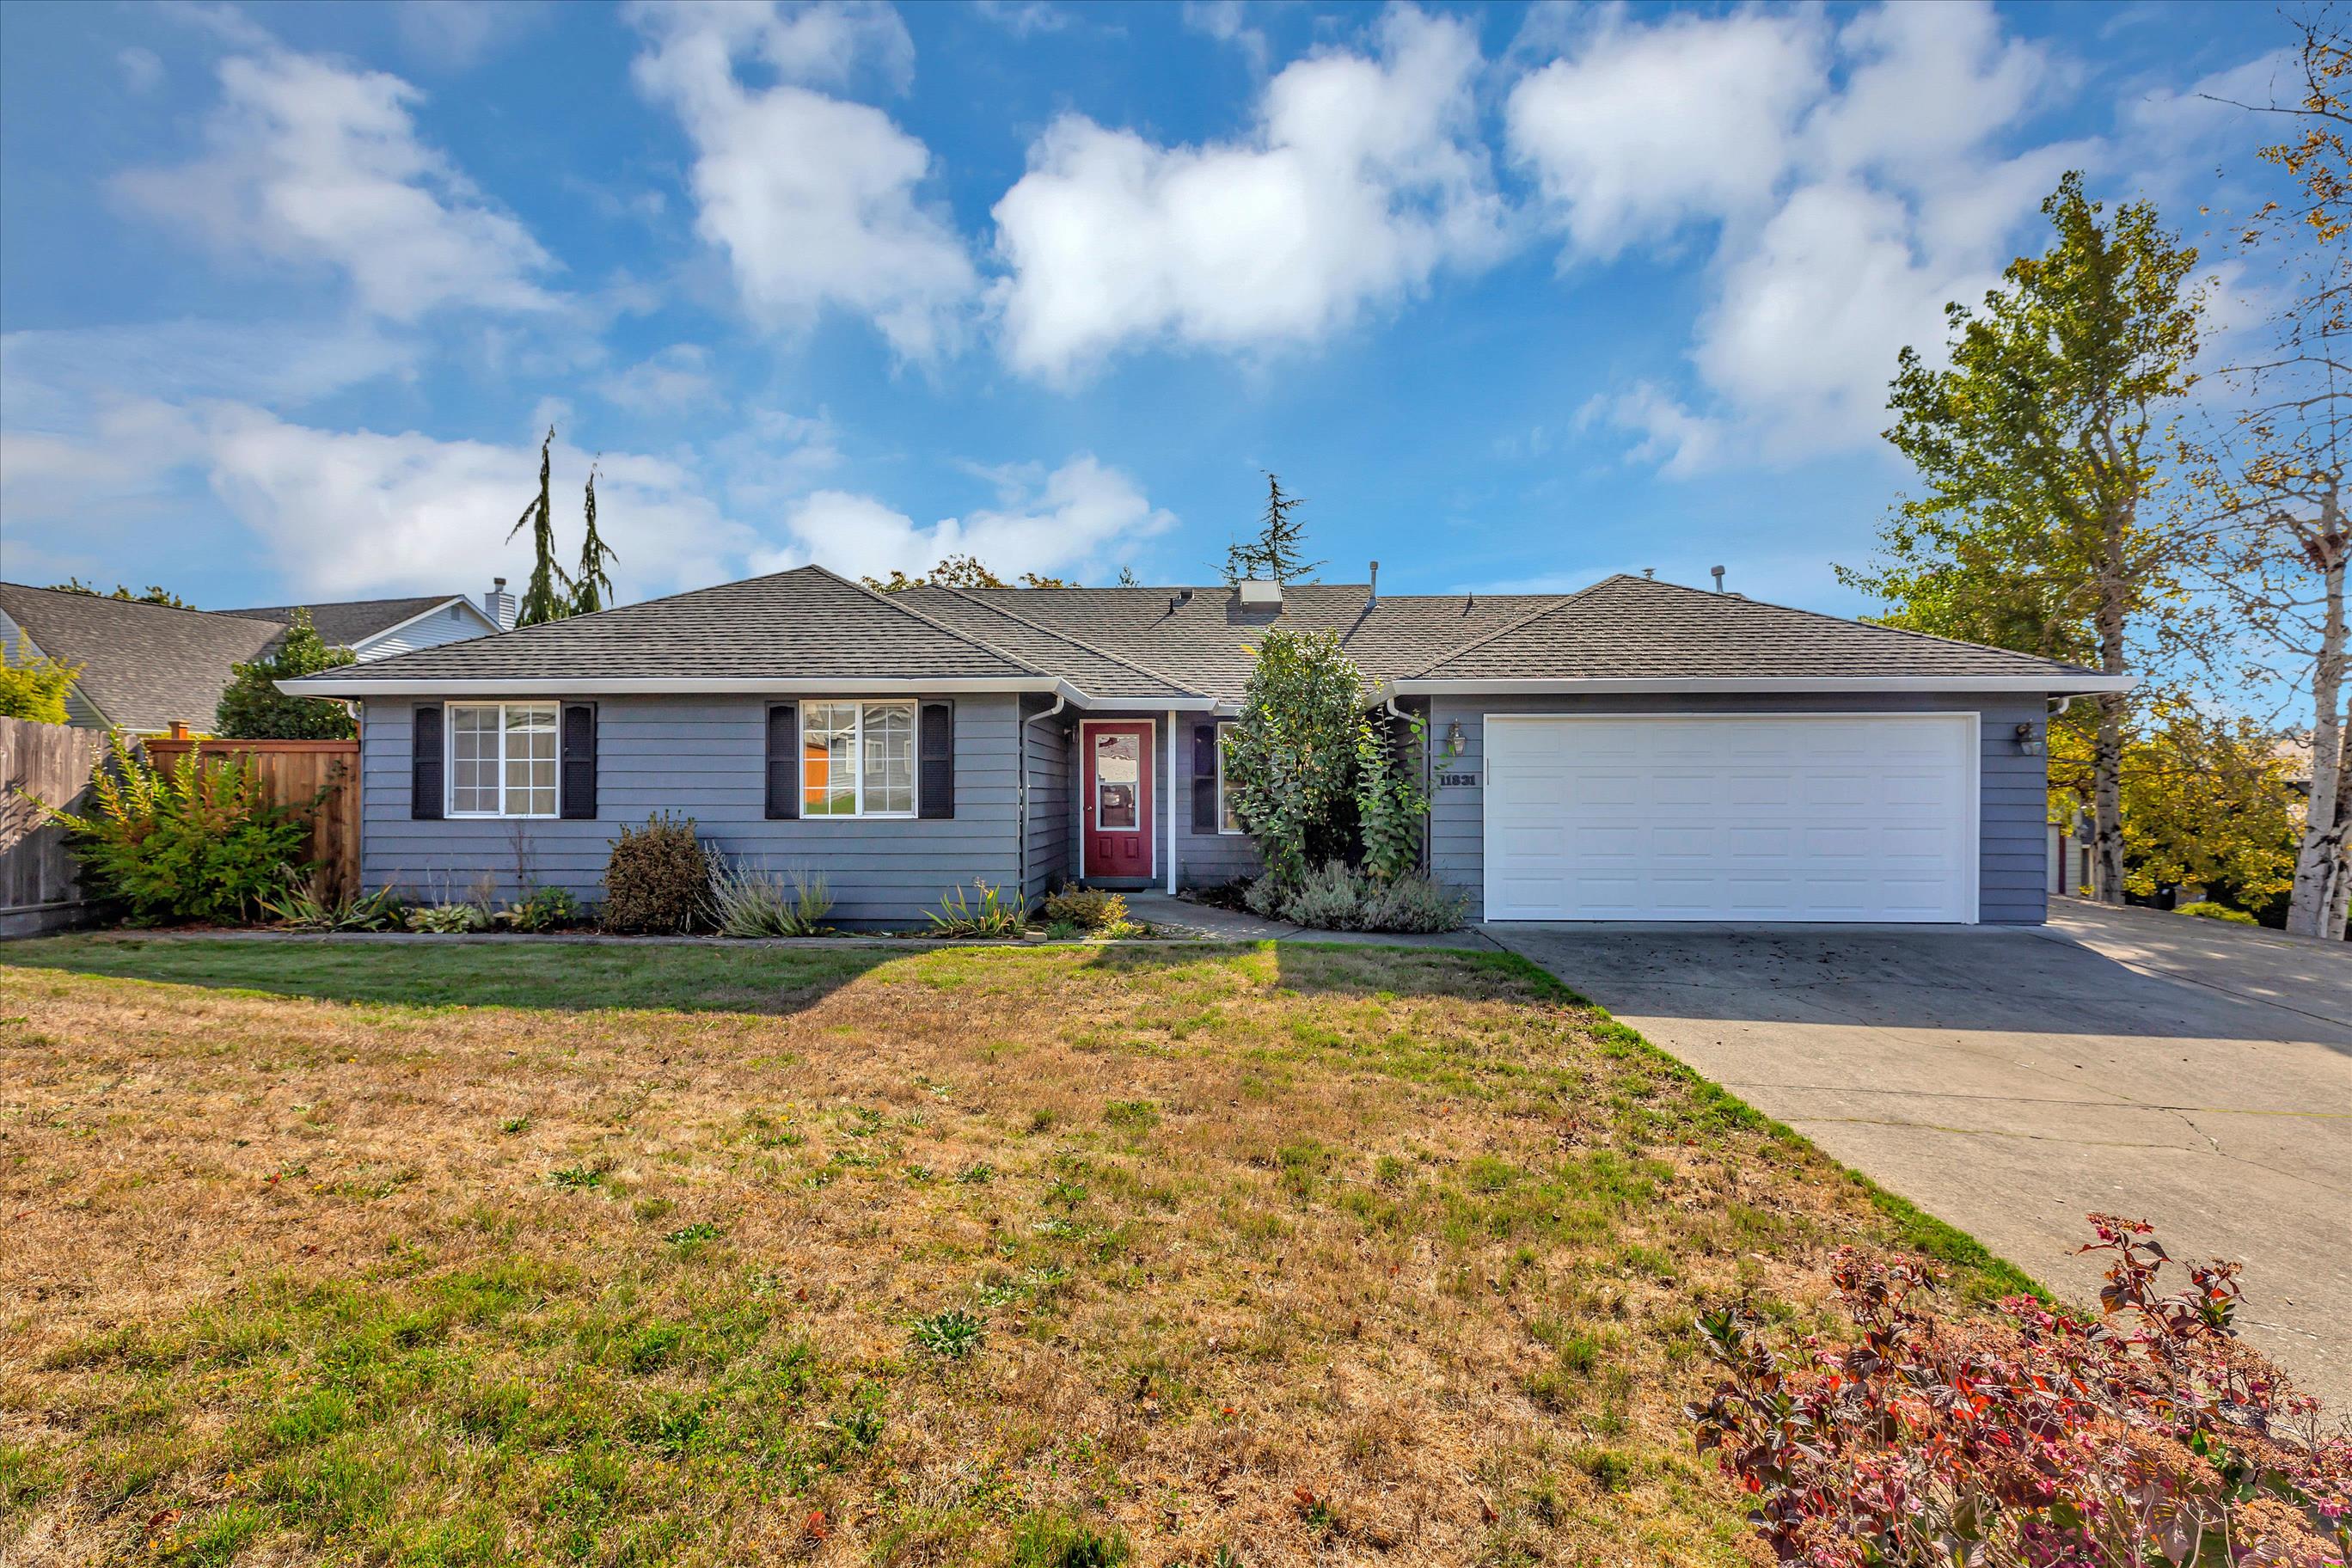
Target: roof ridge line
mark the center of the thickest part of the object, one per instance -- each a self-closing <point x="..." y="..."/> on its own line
<point x="1160" y="675"/>
<point x="1875" y="626"/>
<point x="1536" y="614"/>
<point x="1015" y="660"/>
<point x="141" y="604"/>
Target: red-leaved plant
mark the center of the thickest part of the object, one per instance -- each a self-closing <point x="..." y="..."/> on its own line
<point x="2030" y="1437"/>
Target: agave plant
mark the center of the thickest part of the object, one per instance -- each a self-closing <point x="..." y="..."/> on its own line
<point x="998" y="913"/>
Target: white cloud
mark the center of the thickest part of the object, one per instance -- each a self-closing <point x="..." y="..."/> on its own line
<point x="455" y="35"/>
<point x="1070" y="523"/>
<point x="1645" y="129"/>
<point x="1024" y="17"/>
<point x="314" y="164"/>
<point x="1680" y="442"/>
<point x="344" y="513"/>
<point x="676" y="379"/>
<point x="1847" y="181"/>
<point x="813" y="199"/>
<point x="1224" y="20"/>
<point x="1362" y="177"/>
<point x="142" y="70"/>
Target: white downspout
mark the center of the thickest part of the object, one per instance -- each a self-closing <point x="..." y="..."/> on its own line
<point x="1172" y="802"/>
<point x="1060" y="702"/>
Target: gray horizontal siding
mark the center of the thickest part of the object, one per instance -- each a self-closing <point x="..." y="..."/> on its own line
<point x="2011" y="852"/>
<point x="443" y="625"/>
<point x="1205" y="859"/>
<point x="703" y="758"/>
<point x="1050" y="759"/>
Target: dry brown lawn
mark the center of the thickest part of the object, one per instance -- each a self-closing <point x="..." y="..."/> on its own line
<point x="459" y="1254"/>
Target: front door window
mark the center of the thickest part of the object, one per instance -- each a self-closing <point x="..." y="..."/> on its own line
<point x="1118" y="778"/>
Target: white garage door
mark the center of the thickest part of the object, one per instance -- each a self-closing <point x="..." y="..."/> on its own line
<point x="1845" y="817"/>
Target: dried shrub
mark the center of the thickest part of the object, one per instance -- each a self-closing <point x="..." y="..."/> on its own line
<point x="753" y="901"/>
<point x="1341" y="897"/>
<point x="1088" y="908"/>
<point x="657" y="880"/>
<point x="2032" y="1439"/>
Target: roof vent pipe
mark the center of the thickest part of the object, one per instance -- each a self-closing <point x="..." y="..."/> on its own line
<point x="1372" y="592"/>
<point x="1718" y="573"/>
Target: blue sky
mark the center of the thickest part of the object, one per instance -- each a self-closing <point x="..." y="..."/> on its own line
<point x="1515" y="297"/>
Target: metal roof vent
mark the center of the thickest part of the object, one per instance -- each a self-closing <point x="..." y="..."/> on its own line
<point x="1259" y="593"/>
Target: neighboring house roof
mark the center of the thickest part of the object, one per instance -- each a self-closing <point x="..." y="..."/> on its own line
<point x="802" y="625"/>
<point x="351" y="622"/>
<point x="143" y="666"/>
<point x="808" y="630"/>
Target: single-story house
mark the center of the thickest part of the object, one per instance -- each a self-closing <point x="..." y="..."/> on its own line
<point x="1634" y="751"/>
<point x="146" y="667"/>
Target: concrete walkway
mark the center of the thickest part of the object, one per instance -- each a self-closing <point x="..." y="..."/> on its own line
<point x="2194" y="1074"/>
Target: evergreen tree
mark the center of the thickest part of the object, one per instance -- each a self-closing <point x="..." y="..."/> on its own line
<point x="253" y="709"/>
<point x="549" y="595"/>
<point x="592" y="588"/>
<point x="1278" y="552"/>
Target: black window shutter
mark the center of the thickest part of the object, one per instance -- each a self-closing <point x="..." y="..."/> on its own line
<point x="783" y="762"/>
<point x="579" y="782"/>
<point x="425" y="764"/>
<point x="935" y="760"/>
<point x="1204" y="776"/>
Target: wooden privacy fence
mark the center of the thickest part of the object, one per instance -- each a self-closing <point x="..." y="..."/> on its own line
<point x="293" y="771"/>
<point x="39" y="891"/>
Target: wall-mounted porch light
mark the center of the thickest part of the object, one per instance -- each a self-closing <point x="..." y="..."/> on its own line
<point x="2027" y="741"/>
<point x="1453" y="740"/>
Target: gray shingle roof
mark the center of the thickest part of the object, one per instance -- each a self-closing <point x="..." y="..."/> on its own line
<point x="350" y="622"/>
<point x="1633" y="629"/>
<point x="805" y="624"/>
<point x="1148" y="646"/>
<point x="143" y="666"/>
<point x="1204" y="642"/>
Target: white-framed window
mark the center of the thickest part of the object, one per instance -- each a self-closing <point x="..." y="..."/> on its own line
<point x="501" y="759"/>
<point x="1226" y="821"/>
<point x="858" y="759"/>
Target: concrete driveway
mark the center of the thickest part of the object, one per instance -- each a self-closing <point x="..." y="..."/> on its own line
<point x="2010" y="1081"/>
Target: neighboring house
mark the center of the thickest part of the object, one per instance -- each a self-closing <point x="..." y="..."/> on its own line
<point x="1636" y="751"/>
<point x="146" y="666"/>
<point x="378" y="629"/>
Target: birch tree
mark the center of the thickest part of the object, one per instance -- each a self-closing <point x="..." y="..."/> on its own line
<point x="2040" y="451"/>
<point x="2274" y="474"/>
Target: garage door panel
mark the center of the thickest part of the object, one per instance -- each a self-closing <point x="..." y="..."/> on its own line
<point x="1849" y="819"/>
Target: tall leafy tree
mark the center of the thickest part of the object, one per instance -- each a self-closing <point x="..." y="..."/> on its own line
<point x="33" y="685"/>
<point x="2273" y="476"/>
<point x="253" y="709"/>
<point x="2040" y="450"/>
<point x="152" y="595"/>
<point x="548" y="598"/>
<point x="591" y="585"/>
<point x="958" y="571"/>
<point x="1278" y="550"/>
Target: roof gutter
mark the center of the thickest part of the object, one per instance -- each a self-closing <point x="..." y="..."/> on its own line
<point x="335" y="684"/>
<point x="2047" y="685"/>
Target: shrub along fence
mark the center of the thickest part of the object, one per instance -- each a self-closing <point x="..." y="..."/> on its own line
<point x="39" y="888"/>
<point x="291" y="772"/>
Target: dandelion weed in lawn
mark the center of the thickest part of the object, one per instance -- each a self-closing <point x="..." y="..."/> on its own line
<point x="1407" y="1233"/>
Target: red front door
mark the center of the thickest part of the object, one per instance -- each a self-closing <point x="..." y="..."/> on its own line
<point x="1118" y="799"/>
